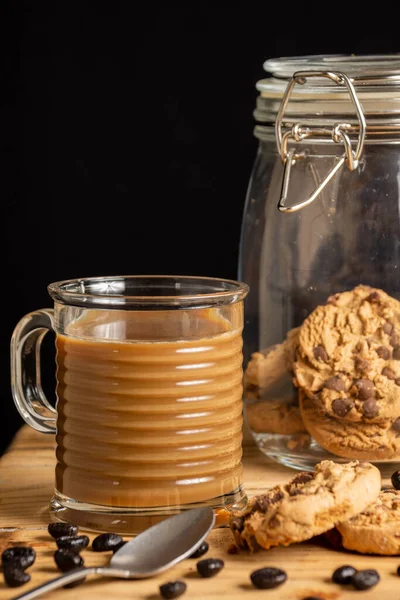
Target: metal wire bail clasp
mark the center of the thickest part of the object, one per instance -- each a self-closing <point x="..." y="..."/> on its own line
<point x="297" y="133"/>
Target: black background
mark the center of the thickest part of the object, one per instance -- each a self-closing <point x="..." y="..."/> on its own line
<point x="127" y="137"/>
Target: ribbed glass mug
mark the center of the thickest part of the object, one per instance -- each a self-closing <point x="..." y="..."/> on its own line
<point x="148" y="419"/>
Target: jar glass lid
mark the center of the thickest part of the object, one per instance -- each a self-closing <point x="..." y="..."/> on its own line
<point x="354" y="66"/>
<point x="376" y="81"/>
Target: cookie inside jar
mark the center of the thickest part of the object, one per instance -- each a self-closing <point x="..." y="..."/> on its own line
<point x="333" y="385"/>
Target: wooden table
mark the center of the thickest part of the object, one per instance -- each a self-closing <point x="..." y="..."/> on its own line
<point x="26" y="478"/>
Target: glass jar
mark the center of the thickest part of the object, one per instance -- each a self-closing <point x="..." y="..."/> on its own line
<point x="320" y="250"/>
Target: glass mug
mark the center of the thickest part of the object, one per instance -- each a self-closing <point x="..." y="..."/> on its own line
<point x="148" y="419"/>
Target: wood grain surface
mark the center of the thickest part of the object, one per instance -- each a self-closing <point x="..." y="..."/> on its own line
<point x="26" y="479"/>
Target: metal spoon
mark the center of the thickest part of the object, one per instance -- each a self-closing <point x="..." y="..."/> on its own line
<point x="151" y="552"/>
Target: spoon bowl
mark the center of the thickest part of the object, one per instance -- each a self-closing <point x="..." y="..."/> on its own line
<point x="151" y="552"/>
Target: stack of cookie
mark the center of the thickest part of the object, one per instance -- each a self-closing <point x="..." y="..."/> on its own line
<point x="344" y="361"/>
<point x="347" y="497"/>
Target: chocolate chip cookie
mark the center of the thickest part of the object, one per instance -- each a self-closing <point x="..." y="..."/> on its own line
<point x="376" y="530"/>
<point x="369" y="441"/>
<point x="272" y="401"/>
<point x="310" y="504"/>
<point x="348" y="364"/>
<point x="275" y="416"/>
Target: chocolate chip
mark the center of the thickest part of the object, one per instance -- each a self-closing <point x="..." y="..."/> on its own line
<point x="387" y="328"/>
<point x="396" y="353"/>
<point x="396" y="425"/>
<point x="343" y="575"/>
<point x="374" y="297"/>
<point x="383" y="352"/>
<point x="302" y="477"/>
<point x="57" y="530"/>
<point x="370" y="409"/>
<point x="202" y="549"/>
<point x="209" y="567"/>
<point x="320" y="353"/>
<point x="341" y="406"/>
<point x="172" y="589"/>
<point x="361" y="364"/>
<point x="295" y="491"/>
<point x="263" y="502"/>
<point x="106" y="541"/>
<point x="21" y="556"/>
<point x="389" y="373"/>
<point x="268" y="578"/>
<point x="394" y="340"/>
<point x="365" y="389"/>
<point x="66" y="560"/>
<point x="75" y="543"/>
<point x="396" y="480"/>
<point x="366" y="579"/>
<point x="237" y="524"/>
<point x="335" y="383"/>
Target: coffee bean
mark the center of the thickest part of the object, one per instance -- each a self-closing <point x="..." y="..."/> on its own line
<point x="389" y="373"/>
<point x="14" y="576"/>
<point x="396" y="353"/>
<point x="76" y="543"/>
<point x="343" y="575"/>
<point x="366" y="579"/>
<point x="365" y="388"/>
<point x="209" y="567"/>
<point x="370" y="409"/>
<point x="106" y="541"/>
<point x="320" y="353"/>
<point x="341" y="406"/>
<point x="387" y="328"/>
<point x="21" y="556"/>
<point x="118" y="546"/>
<point x="396" y="425"/>
<point x="172" y="589"/>
<point x="268" y="578"/>
<point x="383" y="352"/>
<point x="335" y="383"/>
<point x="67" y="560"/>
<point x="57" y="530"/>
<point x="396" y="480"/>
<point x="202" y="549"/>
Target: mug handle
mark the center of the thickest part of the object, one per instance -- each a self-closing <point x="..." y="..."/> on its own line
<point x="26" y="386"/>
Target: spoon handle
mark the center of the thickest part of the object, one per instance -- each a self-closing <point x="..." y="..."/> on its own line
<point x="58" y="582"/>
